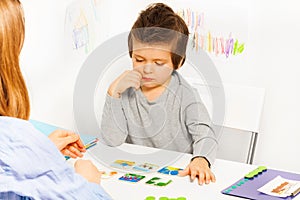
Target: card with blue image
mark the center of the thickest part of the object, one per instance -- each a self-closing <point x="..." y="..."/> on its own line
<point x="169" y="170"/>
<point x="146" y="167"/>
<point x="123" y="164"/>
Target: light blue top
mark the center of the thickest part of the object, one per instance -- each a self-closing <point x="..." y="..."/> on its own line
<point x="31" y="166"/>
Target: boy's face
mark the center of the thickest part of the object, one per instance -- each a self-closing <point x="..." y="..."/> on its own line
<point x="154" y="63"/>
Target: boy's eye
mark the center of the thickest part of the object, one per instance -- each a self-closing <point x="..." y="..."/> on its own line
<point x="159" y="63"/>
<point x="138" y="60"/>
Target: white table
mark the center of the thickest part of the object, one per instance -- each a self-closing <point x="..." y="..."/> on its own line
<point x="227" y="173"/>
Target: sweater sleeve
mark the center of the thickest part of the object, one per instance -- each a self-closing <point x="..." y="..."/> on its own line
<point x="200" y="128"/>
<point x="114" y="129"/>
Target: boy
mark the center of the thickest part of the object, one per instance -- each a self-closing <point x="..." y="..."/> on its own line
<point x="152" y="105"/>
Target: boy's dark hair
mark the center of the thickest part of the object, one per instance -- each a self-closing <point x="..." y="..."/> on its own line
<point x="159" y="24"/>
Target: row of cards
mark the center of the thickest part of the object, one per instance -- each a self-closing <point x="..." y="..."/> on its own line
<point x="130" y="165"/>
<point x="134" y="178"/>
<point x="144" y="167"/>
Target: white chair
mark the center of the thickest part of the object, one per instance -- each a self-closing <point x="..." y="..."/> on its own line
<point x="243" y="108"/>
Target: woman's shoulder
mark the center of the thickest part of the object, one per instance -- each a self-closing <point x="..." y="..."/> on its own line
<point x="16" y="131"/>
<point x="11" y="120"/>
<point x="10" y="124"/>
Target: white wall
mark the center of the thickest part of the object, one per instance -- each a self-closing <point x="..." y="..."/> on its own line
<point x="273" y="63"/>
<point x="49" y="78"/>
<point x="274" y="37"/>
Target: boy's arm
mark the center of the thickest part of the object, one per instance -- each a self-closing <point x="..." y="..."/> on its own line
<point x="114" y="124"/>
<point x="200" y="127"/>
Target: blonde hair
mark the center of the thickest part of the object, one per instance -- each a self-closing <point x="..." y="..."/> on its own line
<point x="14" y="99"/>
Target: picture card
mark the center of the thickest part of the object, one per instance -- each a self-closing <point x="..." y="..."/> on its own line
<point x="131" y="177"/>
<point x="158" y="181"/>
<point x="146" y="167"/>
<point x="280" y="187"/>
<point x="169" y="170"/>
<point x="123" y="164"/>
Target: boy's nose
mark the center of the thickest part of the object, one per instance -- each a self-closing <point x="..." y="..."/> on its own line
<point x="148" y="68"/>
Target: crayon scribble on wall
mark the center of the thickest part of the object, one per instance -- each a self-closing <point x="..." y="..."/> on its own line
<point x="219" y="45"/>
<point x="80" y="32"/>
<point x="82" y="24"/>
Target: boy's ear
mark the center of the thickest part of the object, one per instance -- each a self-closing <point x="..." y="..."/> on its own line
<point x="181" y="63"/>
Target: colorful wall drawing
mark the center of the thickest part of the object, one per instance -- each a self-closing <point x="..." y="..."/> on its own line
<point x="82" y="24"/>
<point x="80" y="32"/>
<point x="226" y="45"/>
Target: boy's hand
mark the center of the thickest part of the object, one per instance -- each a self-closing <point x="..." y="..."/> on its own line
<point x="199" y="168"/>
<point x="129" y="78"/>
<point x="88" y="170"/>
<point x="68" y="143"/>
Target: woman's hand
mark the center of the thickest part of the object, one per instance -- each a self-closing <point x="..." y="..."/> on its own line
<point x="88" y="170"/>
<point x="68" y="143"/>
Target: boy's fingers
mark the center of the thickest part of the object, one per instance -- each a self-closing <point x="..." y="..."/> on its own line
<point x="137" y="85"/>
<point x="213" y="178"/>
<point x="193" y="175"/>
<point x="207" y="177"/>
<point x="201" y="178"/>
<point x="184" y="172"/>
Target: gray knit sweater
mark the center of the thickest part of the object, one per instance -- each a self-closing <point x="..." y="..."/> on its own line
<point x="177" y="120"/>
